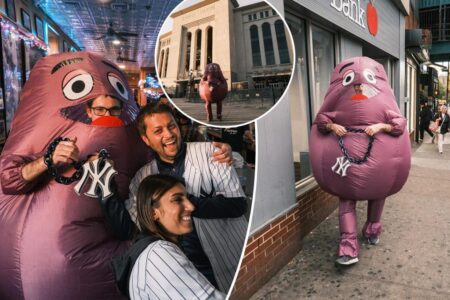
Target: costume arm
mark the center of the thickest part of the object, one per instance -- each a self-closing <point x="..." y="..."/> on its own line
<point x="323" y="119"/>
<point x="397" y="122"/>
<point x="166" y="261"/>
<point x="11" y="178"/>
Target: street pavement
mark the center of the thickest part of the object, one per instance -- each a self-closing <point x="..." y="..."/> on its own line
<point x="233" y="112"/>
<point x="412" y="260"/>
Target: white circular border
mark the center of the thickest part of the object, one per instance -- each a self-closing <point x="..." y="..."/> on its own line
<point x="294" y="54"/>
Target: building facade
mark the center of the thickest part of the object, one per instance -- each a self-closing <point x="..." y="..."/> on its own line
<point x="250" y="43"/>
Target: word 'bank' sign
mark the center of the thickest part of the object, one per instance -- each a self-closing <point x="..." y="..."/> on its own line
<point x="353" y="10"/>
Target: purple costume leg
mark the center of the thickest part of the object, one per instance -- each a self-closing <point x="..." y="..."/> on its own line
<point x="208" y="108"/>
<point x="219" y="110"/>
<point x="347" y="225"/>
<point x="373" y="224"/>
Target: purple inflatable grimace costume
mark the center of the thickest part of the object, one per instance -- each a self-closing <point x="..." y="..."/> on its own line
<point x="56" y="244"/>
<point x="359" y="104"/>
<point x="213" y="88"/>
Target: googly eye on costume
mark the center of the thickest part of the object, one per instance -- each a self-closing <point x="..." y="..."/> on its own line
<point x="370" y="76"/>
<point x="118" y="85"/>
<point x="78" y="86"/>
<point x="349" y="76"/>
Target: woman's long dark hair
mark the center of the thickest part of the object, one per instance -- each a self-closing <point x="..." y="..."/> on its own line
<point x="150" y="191"/>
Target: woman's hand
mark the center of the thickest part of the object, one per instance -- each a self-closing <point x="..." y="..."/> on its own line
<point x="337" y="129"/>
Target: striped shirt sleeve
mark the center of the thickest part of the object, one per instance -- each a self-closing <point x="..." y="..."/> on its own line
<point x="162" y="271"/>
<point x="130" y="203"/>
<point x="224" y="178"/>
<point x="222" y="239"/>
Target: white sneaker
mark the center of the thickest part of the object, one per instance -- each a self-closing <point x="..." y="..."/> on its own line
<point x="346" y="260"/>
<point x="373" y="240"/>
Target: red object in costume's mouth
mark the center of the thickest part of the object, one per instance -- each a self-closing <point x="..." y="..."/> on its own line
<point x="359" y="97"/>
<point x="109" y="121"/>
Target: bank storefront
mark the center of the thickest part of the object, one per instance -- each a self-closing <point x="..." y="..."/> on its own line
<point x="327" y="32"/>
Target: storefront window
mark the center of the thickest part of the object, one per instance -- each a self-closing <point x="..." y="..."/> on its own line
<point x="256" y="51"/>
<point x="282" y="43"/>
<point x="268" y="44"/>
<point x="298" y="95"/>
<point x="310" y="81"/>
<point x="323" y="60"/>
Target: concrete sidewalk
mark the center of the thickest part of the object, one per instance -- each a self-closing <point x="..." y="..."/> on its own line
<point x="412" y="260"/>
<point x="233" y="112"/>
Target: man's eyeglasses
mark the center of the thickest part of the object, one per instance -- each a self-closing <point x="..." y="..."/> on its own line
<point x="101" y="111"/>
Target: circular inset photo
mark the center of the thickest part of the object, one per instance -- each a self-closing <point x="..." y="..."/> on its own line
<point x="224" y="62"/>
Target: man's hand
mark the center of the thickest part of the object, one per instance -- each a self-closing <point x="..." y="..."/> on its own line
<point x="223" y="154"/>
<point x="337" y="129"/>
<point x="66" y="152"/>
<point x="375" y="128"/>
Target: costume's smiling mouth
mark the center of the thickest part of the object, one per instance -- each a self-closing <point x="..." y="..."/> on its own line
<point x="78" y="113"/>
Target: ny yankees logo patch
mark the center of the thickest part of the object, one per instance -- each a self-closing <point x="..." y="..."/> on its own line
<point x="100" y="178"/>
<point x="341" y="166"/>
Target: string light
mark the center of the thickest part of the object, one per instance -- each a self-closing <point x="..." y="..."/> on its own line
<point x="11" y="31"/>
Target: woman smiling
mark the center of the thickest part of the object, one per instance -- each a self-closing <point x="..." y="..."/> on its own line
<point x="162" y="270"/>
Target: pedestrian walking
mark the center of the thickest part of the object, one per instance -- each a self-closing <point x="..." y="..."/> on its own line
<point x="443" y="118"/>
<point x="425" y="118"/>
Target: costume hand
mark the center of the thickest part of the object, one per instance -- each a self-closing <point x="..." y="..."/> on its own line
<point x="375" y="128"/>
<point x="66" y="152"/>
<point x="337" y="129"/>
<point x="223" y="154"/>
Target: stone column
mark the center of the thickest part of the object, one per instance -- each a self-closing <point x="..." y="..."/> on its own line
<point x="204" y="49"/>
<point x="182" y="60"/>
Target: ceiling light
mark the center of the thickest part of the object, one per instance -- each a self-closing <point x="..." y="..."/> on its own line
<point x="122" y="66"/>
<point x="116" y="42"/>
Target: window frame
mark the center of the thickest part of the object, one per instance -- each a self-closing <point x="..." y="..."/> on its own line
<point x="292" y="15"/>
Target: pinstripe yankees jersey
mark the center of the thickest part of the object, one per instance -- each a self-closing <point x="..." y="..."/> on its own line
<point x="162" y="271"/>
<point x="222" y="239"/>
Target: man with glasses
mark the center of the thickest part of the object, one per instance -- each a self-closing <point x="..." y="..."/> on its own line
<point x="103" y="111"/>
<point x="102" y="108"/>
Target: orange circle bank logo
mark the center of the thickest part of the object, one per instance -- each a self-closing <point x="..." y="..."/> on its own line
<point x="372" y="17"/>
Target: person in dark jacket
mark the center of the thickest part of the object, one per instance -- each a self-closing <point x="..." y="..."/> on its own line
<point x="425" y="118"/>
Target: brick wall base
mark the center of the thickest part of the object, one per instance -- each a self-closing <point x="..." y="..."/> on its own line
<point x="273" y="246"/>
